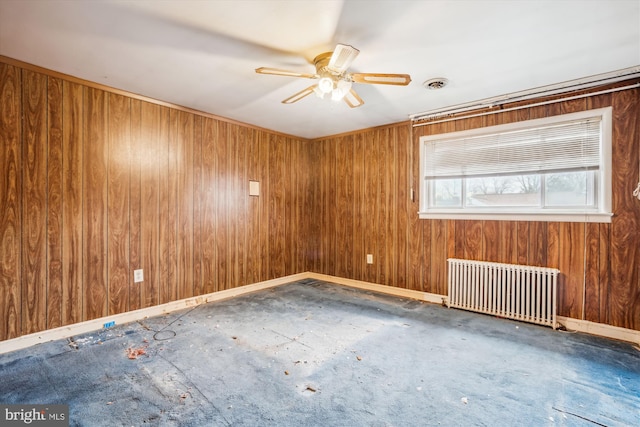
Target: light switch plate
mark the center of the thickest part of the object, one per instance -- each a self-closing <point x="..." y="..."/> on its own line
<point x="138" y="276"/>
<point x="254" y="188"/>
<point x="369" y="258"/>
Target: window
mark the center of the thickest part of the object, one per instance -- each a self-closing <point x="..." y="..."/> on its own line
<point x="552" y="169"/>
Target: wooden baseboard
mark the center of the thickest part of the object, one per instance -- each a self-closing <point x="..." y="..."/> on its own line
<point x="390" y="290"/>
<point x="63" y="332"/>
<point x="592" y="328"/>
<point x="600" y="329"/>
<point x="132" y="316"/>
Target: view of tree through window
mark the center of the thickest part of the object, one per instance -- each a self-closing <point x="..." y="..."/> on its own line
<point x="559" y="190"/>
<point x="558" y="166"/>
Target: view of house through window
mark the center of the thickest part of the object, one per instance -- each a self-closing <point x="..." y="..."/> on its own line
<point x="558" y="167"/>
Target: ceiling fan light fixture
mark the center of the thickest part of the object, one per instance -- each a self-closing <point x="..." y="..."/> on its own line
<point x="325" y="85"/>
<point x="342" y="88"/>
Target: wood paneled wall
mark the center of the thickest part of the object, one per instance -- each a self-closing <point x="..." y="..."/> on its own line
<point x="363" y="206"/>
<point x="95" y="184"/>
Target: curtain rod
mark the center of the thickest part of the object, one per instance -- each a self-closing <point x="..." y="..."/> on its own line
<point x="520" y="107"/>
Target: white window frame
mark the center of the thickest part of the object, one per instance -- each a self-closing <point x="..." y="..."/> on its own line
<point x="602" y="213"/>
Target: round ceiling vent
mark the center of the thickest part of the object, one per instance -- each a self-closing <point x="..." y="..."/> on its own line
<point x="437" y="83"/>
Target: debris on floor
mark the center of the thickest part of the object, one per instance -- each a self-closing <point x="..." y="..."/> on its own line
<point x="464" y="400"/>
<point x="133" y="353"/>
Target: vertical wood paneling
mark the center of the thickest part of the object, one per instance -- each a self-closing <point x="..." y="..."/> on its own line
<point x="264" y="203"/>
<point x="207" y="227"/>
<point x="253" y="254"/>
<point x="10" y="200"/>
<point x="591" y="286"/>
<point x="199" y="201"/>
<point x="34" y="172"/>
<point x="592" y="273"/>
<point x="624" y="291"/>
<point x="94" y="197"/>
<point x="344" y="206"/>
<point x="372" y="194"/>
<point x="166" y="212"/>
<point x="277" y="169"/>
<point x="401" y="144"/>
<point x="234" y="205"/>
<point x="185" y="201"/>
<point x="135" y="204"/>
<point x="95" y="185"/>
<point x="221" y="206"/>
<point x="149" y="205"/>
<point x="118" y="205"/>
<point x="72" y="220"/>
<point x="359" y="196"/>
<point x="571" y="265"/>
<point x="54" y="203"/>
<point x="417" y="227"/>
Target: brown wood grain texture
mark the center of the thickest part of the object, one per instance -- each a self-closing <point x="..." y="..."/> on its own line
<point x="198" y="205"/>
<point x="304" y="203"/>
<point x="165" y="270"/>
<point x="277" y="205"/>
<point x="401" y="142"/>
<point x="95" y="203"/>
<point x="10" y="200"/>
<point x="344" y="206"/>
<point x="149" y="204"/>
<point x="372" y="194"/>
<point x="604" y="274"/>
<point x="34" y="206"/>
<point x="592" y="273"/>
<point x="55" y="204"/>
<point x="358" y="253"/>
<point x="387" y="251"/>
<point x="208" y="243"/>
<point x="264" y="201"/>
<point x="72" y="183"/>
<point x="118" y="203"/>
<point x="184" y="141"/>
<point x="624" y="291"/>
<point x="571" y="265"/>
<point x="135" y="204"/>
<point x="328" y="193"/>
<point x="538" y="243"/>
<point x="187" y="220"/>
<point x="235" y="209"/>
<point x="253" y="258"/>
<point x="221" y="206"/>
<point x="491" y="241"/>
<point x="417" y="227"/>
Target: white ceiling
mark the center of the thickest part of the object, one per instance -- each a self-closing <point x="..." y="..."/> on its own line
<point x="202" y="54"/>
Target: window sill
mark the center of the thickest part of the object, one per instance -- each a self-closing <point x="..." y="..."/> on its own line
<point x="548" y="216"/>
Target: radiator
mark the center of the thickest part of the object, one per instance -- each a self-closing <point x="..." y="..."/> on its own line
<point x="518" y="292"/>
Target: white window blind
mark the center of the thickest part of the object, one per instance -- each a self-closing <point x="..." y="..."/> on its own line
<point x="564" y="146"/>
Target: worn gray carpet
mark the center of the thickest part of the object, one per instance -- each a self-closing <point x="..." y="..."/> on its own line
<point x="315" y="354"/>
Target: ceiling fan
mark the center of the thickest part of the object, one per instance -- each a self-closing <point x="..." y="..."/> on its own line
<point x="333" y="78"/>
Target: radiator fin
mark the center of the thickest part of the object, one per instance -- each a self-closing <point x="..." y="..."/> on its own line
<point x="519" y="292"/>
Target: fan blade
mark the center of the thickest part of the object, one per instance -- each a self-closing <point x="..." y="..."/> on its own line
<point x="298" y="96"/>
<point x="277" y="72"/>
<point x="381" y="79"/>
<point x="352" y="99"/>
<point x="342" y="57"/>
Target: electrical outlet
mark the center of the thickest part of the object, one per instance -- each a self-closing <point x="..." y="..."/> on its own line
<point x="369" y="258"/>
<point x="138" y="276"/>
